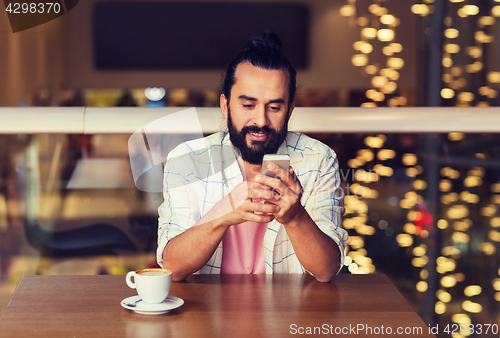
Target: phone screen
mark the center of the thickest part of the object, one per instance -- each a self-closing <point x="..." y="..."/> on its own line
<point x="280" y="160"/>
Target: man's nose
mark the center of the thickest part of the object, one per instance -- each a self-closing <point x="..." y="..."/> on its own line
<point x="260" y="118"/>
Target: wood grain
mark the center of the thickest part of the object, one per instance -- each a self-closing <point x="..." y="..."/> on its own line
<point x="215" y="306"/>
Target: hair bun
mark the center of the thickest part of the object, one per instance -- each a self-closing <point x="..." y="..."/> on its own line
<point x="267" y="41"/>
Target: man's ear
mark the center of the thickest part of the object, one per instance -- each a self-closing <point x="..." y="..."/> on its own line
<point x="292" y="107"/>
<point x="223" y="105"/>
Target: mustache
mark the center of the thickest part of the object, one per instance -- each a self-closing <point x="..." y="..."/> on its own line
<point x="255" y="129"/>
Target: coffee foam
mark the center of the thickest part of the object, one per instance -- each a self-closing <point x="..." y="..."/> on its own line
<point x="153" y="272"/>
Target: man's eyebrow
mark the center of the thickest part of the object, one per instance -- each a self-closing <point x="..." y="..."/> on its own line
<point x="249" y="98"/>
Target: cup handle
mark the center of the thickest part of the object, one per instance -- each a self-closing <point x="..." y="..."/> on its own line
<point x="128" y="279"/>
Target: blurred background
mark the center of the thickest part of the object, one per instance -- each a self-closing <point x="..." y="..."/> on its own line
<point x="420" y="207"/>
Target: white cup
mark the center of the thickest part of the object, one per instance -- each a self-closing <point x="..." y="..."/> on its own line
<point x="152" y="285"/>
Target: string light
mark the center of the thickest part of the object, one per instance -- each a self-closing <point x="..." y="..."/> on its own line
<point x="442" y="224"/>
<point x="404" y="240"/>
<point x="385" y="34"/>
<point x="465" y="97"/>
<point x="464" y="68"/>
<point x="419" y="184"/>
<point x="396" y="47"/>
<point x="371" y="69"/>
<point x="443" y="296"/>
<point x="487" y="248"/>
<point x="440" y="308"/>
<point x="456" y="56"/>
<point x="470" y="9"/>
<point x="486" y="21"/>
<point x="447" y="93"/>
<point x="359" y="60"/>
<point x="421" y="286"/>
<point x="369" y="32"/>
<point x="452" y="48"/>
<point x="347" y="10"/>
<point x="448" y="281"/>
<point x="396" y="63"/>
<point x="366" y="48"/>
<point x="451" y="33"/>
<point x="376" y="22"/>
<point x="495" y="11"/>
<point x="388" y="19"/>
<point x="494" y="77"/>
<point x="472" y="307"/>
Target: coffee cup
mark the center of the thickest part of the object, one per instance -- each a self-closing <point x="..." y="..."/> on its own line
<point x="152" y="285"/>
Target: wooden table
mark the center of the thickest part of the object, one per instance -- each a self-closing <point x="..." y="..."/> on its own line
<point x="215" y="306"/>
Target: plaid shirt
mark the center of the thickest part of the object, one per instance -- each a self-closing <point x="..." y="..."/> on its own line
<point x="200" y="173"/>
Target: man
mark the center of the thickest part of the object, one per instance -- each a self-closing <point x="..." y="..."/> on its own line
<point x="220" y="215"/>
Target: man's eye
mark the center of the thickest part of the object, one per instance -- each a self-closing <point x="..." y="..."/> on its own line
<point x="274" y="108"/>
<point x="248" y="105"/>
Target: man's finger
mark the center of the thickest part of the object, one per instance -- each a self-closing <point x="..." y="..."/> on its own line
<point x="287" y="176"/>
<point x="263" y="193"/>
<point x="262" y="207"/>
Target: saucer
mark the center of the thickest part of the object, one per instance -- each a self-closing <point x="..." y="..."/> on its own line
<point x="152" y="309"/>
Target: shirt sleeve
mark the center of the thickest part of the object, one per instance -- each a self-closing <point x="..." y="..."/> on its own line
<point x="179" y="210"/>
<point x="326" y="203"/>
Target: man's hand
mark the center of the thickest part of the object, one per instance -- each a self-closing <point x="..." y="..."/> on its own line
<point x="238" y="206"/>
<point x="317" y="252"/>
<point x="286" y="195"/>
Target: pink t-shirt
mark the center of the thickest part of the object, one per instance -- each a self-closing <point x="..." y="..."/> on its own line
<point x="243" y="249"/>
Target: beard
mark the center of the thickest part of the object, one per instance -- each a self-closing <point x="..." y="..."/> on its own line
<point x="255" y="153"/>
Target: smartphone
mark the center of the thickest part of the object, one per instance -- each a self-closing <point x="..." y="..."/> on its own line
<point x="280" y="160"/>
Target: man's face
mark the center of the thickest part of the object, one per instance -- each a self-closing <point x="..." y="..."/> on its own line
<point x="258" y="111"/>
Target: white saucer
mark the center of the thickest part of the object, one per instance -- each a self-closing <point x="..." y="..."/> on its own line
<point x="152" y="309"/>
